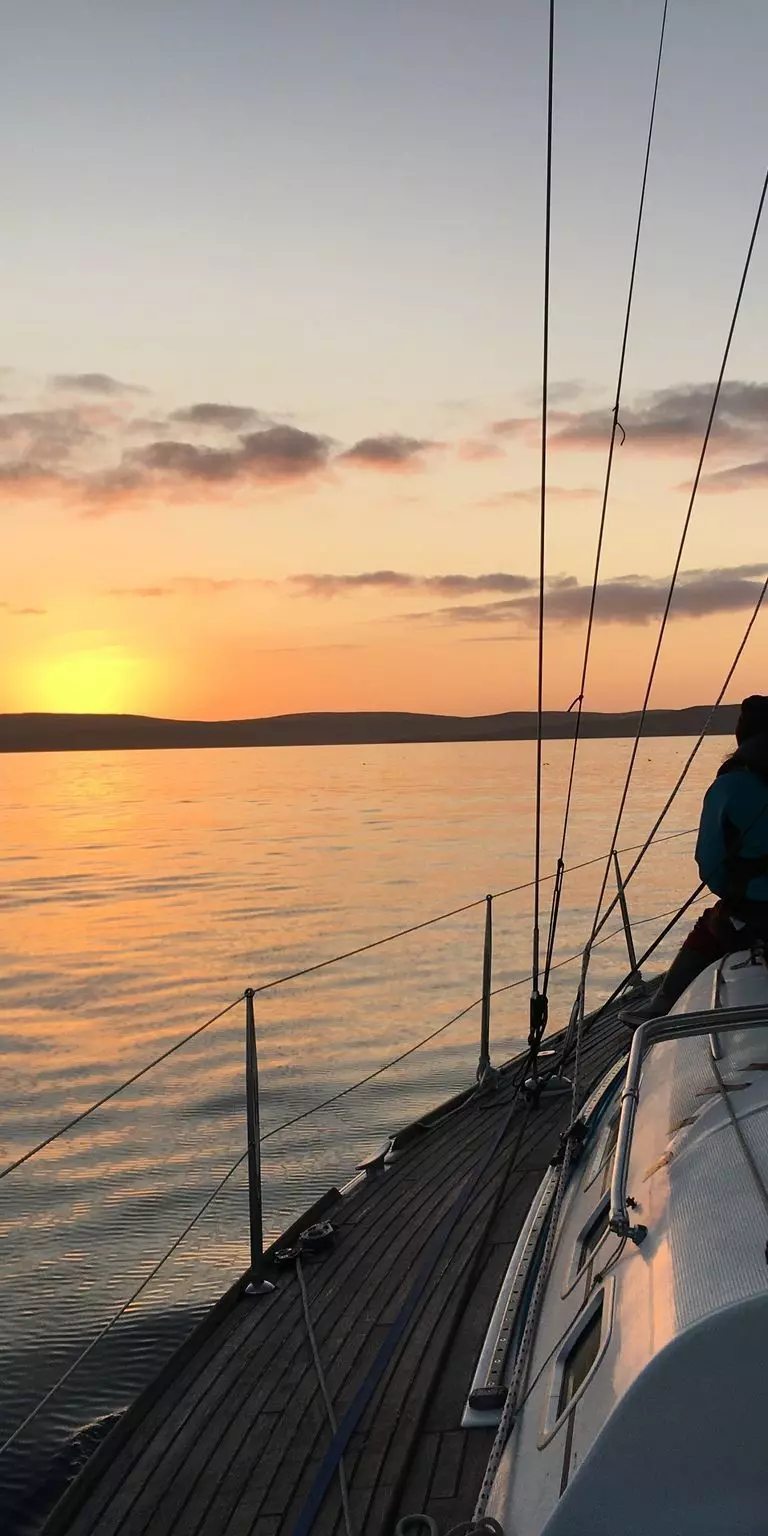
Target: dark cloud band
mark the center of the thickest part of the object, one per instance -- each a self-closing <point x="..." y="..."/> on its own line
<point x="326" y="585"/>
<point x="633" y="600"/>
<point x="230" y="418"/>
<point x="95" y="384"/>
<point x="387" y="452"/>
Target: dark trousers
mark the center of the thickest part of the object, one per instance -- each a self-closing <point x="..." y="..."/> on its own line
<point x="714" y="935"/>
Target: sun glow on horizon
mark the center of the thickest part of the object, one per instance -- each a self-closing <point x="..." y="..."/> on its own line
<point x="97" y="680"/>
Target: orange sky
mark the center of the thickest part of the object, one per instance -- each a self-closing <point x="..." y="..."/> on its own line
<point x="160" y="568"/>
<point x="273" y="310"/>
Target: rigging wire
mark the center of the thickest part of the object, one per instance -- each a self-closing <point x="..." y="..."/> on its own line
<point x="510" y="986"/>
<point x="596" y="1280"/>
<point x="538" y="1003"/>
<point x="598" y="925"/>
<point x="691" y="756"/>
<point x="681" y="547"/>
<point x="129" y="1081"/>
<point x="516" y="1397"/>
<point x="326" y="1396"/>
<point x="342" y="1093"/>
<point x="615" y="427"/>
<point x="13" y="1437"/>
<point x="280" y="981"/>
<point x="700" y="893"/>
<point x="87" y="1350"/>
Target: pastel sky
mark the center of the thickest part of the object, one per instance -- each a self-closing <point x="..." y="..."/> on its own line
<point x="271" y="308"/>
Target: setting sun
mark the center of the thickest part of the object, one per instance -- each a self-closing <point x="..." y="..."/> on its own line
<point x="100" y="681"/>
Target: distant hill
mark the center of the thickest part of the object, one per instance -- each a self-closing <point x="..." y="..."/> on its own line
<point x="100" y="733"/>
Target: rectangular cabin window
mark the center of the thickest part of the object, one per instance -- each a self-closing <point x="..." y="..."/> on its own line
<point x="608" y="1151"/>
<point x="580" y="1359"/>
<point x="595" y="1231"/>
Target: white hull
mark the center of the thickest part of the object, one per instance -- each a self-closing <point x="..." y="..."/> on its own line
<point x="665" y="1432"/>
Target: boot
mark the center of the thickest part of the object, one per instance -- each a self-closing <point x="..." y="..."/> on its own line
<point x="686" y="966"/>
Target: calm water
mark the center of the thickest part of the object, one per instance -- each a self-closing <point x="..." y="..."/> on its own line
<point x="141" y="893"/>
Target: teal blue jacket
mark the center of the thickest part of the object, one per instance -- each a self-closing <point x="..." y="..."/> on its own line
<point x="732" y="846"/>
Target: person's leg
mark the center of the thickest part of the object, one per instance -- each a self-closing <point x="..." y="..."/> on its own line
<point x="711" y="937"/>
<point x="754" y="914"/>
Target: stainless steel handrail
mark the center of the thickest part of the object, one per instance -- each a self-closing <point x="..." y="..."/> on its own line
<point x="675" y="1027"/>
<point x="484" y="1069"/>
<point x="257" y="1285"/>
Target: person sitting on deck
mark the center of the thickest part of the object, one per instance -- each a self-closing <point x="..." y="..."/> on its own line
<point x="732" y="856"/>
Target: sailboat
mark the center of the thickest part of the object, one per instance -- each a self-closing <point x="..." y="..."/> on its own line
<point x="541" y="1310"/>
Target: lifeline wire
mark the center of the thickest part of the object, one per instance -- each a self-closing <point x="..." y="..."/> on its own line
<point x="228" y="1175"/>
<point x="509" y="986"/>
<point x="124" y="1308"/>
<point x="76" y="1120"/>
<point x="280" y="981"/>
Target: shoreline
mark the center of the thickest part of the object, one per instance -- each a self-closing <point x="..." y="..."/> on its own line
<point x="105" y="733"/>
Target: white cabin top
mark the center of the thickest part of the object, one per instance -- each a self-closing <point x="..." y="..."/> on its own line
<point x="644" y="1402"/>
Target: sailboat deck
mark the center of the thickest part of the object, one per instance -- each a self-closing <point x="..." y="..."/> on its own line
<point x="232" y="1436"/>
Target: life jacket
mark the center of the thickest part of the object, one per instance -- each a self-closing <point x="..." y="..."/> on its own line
<point x="739" y="871"/>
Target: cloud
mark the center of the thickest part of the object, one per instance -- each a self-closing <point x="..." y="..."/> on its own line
<point x="104" y="488"/>
<point x="387" y="452"/>
<point x="274" y="454"/>
<point x="284" y="452"/>
<point x="509" y="635"/>
<point x="671" y="420"/>
<point x="641" y="600"/>
<point x="741" y="477"/>
<point x="186" y="461"/>
<point x="564" y="390"/>
<point x="152" y="425"/>
<point x="674" y="420"/>
<point x="85" y="451"/>
<point x="231" y="418"/>
<point x="512" y="426"/>
<point x="22" y="612"/>
<point x="78" y="450"/>
<point x="140" y="591"/>
<point x="634" y="600"/>
<point x="197" y="586"/>
<point x="312" y="585"/>
<point x="21" y="473"/>
<point x="559" y="392"/>
<point x="95" y="384"/>
<point x="41" y="440"/>
<point x="727" y="572"/>
<point x="478" y="448"/>
<point x="531" y="495"/>
<point x="95" y="455"/>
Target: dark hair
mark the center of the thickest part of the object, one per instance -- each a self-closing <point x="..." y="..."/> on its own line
<point x="753" y="718"/>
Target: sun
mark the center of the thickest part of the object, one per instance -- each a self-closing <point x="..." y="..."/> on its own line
<point x="93" y="681"/>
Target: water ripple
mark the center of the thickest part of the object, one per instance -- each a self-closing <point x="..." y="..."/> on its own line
<point x="142" y="892"/>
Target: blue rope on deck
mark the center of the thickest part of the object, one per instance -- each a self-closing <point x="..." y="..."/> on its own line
<point x="328" y="1466"/>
